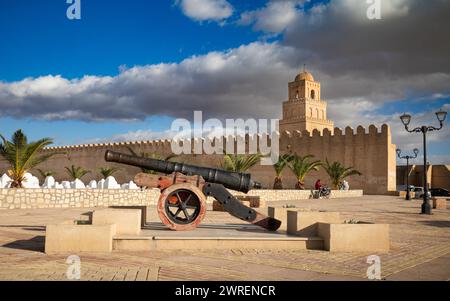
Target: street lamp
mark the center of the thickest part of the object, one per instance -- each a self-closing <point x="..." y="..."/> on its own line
<point x="406" y="119"/>
<point x="399" y="154"/>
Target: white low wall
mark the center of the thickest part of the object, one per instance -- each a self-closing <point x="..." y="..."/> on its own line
<point x="292" y="195"/>
<point x="88" y="198"/>
<point x="74" y="198"/>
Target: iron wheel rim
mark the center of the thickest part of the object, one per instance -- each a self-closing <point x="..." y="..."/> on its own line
<point x="187" y="208"/>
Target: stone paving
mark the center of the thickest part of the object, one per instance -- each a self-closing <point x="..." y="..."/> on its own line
<point x="420" y="249"/>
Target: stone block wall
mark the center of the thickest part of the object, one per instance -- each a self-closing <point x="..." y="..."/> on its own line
<point x="74" y="198"/>
<point x="438" y="176"/>
<point x="89" y="198"/>
<point x="371" y="152"/>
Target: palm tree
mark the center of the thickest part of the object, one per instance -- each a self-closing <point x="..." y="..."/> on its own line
<point x="283" y="161"/>
<point x="76" y="172"/>
<point x="151" y="156"/>
<point x="23" y="156"/>
<point x="240" y="163"/>
<point x="107" y="171"/>
<point x="301" y="166"/>
<point x="47" y="173"/>
<point x="338" y="172"/>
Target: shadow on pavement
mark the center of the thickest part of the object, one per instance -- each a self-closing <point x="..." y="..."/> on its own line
<point x="441" y="224"/>
<point x="36" y="244"/>
<point x="25" y="227"/>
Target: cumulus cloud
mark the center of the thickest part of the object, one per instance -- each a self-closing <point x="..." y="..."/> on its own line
<point x="189" y="133"/>
<point x="403" y="139"/>
<point x="410" y="38"/>
<point x="206" y="10"/>
<point x="220" y="83"/>
<point x="274" y="17"/>
<point x="362" y="64"/>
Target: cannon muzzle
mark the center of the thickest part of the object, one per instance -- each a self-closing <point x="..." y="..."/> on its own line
<point x="231" y="180"/>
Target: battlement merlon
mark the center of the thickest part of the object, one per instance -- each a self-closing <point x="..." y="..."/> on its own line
<point x="384" y="133"/>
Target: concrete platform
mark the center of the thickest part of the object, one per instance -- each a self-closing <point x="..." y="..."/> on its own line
<point x="420" y="249"/>
<point x="213" y="236"/>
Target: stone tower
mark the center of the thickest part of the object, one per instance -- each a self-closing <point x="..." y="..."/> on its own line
<point x="304" y="109"/>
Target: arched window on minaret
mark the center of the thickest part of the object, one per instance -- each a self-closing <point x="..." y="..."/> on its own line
<point x="310" y="112"/>
<point x="317" y="113"/>
<point x="313" y="94"/>
<point x="296" y="95"/>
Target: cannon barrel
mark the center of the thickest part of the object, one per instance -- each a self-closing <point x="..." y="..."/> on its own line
<point x="232" y="180"/>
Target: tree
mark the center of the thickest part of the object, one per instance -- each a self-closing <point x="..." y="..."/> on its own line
<point x="283" y="161"/>
<point x="301" y="166"/>
<point x="47" y="173"/>
<point x="240" y="163"/>
<point x="107" y="171"/>
<point x="151" y="156"/>
<point x="338" y="172"/>
<point x="22" y="156"/>
<point x="76" y="172"/>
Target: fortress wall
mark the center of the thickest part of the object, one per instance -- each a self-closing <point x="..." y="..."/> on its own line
<point x="371" y="152"/>
<point x="441" y="176"/>
<point x="438" y="175"/>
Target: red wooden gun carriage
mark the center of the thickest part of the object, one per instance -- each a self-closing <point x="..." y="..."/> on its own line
<point x="184" y="189"/>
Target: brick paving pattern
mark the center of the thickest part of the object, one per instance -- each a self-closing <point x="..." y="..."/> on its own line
<point x="420" y="249"/>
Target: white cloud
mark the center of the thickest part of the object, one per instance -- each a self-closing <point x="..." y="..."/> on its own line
<point x="272" y="18"/>
<point x="206" y="10"/>
<point x="357" y="9"/>
<point x="355" y="112"/>
<point x="362" y="67"/>
<point x="144" y="135"/>
<point x="140" y="135"/>
<point x="249" y="80"/>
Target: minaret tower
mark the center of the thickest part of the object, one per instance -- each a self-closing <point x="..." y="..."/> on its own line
<point x="304" y="109"/>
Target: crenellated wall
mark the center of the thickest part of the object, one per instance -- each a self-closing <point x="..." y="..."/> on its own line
<point x="369" y="151"/>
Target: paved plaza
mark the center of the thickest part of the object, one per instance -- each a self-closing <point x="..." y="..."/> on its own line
<point x="420" y="249"/>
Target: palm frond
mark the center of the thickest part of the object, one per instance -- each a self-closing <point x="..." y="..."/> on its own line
<point x="338" y="172"/>
<point x="281" y="164"/>
<point x="22" y="156"/>
<point x="45" y="174"/>
<point x="107" y="171"/>
<point x="240" y="162"/>
<point x="76" y="172"/>
<point x="131" y="150"/>
<point x="301" y="166"/>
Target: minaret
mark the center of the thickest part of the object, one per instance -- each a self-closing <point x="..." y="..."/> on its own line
<point x="304" y="109"/>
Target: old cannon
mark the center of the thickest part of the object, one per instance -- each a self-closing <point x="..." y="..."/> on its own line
<point x="184" y="189"/>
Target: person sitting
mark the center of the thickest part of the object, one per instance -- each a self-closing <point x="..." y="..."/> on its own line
<point x="318" y="185"/>
<point x="346" y="185"/>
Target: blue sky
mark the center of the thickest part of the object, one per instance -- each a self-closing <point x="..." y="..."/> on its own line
<point x="39" y="39"/>
<point x="128" y="68"/>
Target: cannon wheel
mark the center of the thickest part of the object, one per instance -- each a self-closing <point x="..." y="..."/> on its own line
<point x="182" y="206"/>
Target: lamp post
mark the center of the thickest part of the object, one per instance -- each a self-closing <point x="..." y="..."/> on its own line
<point x="399" y="154"/>
<point x="406" y="119"/>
